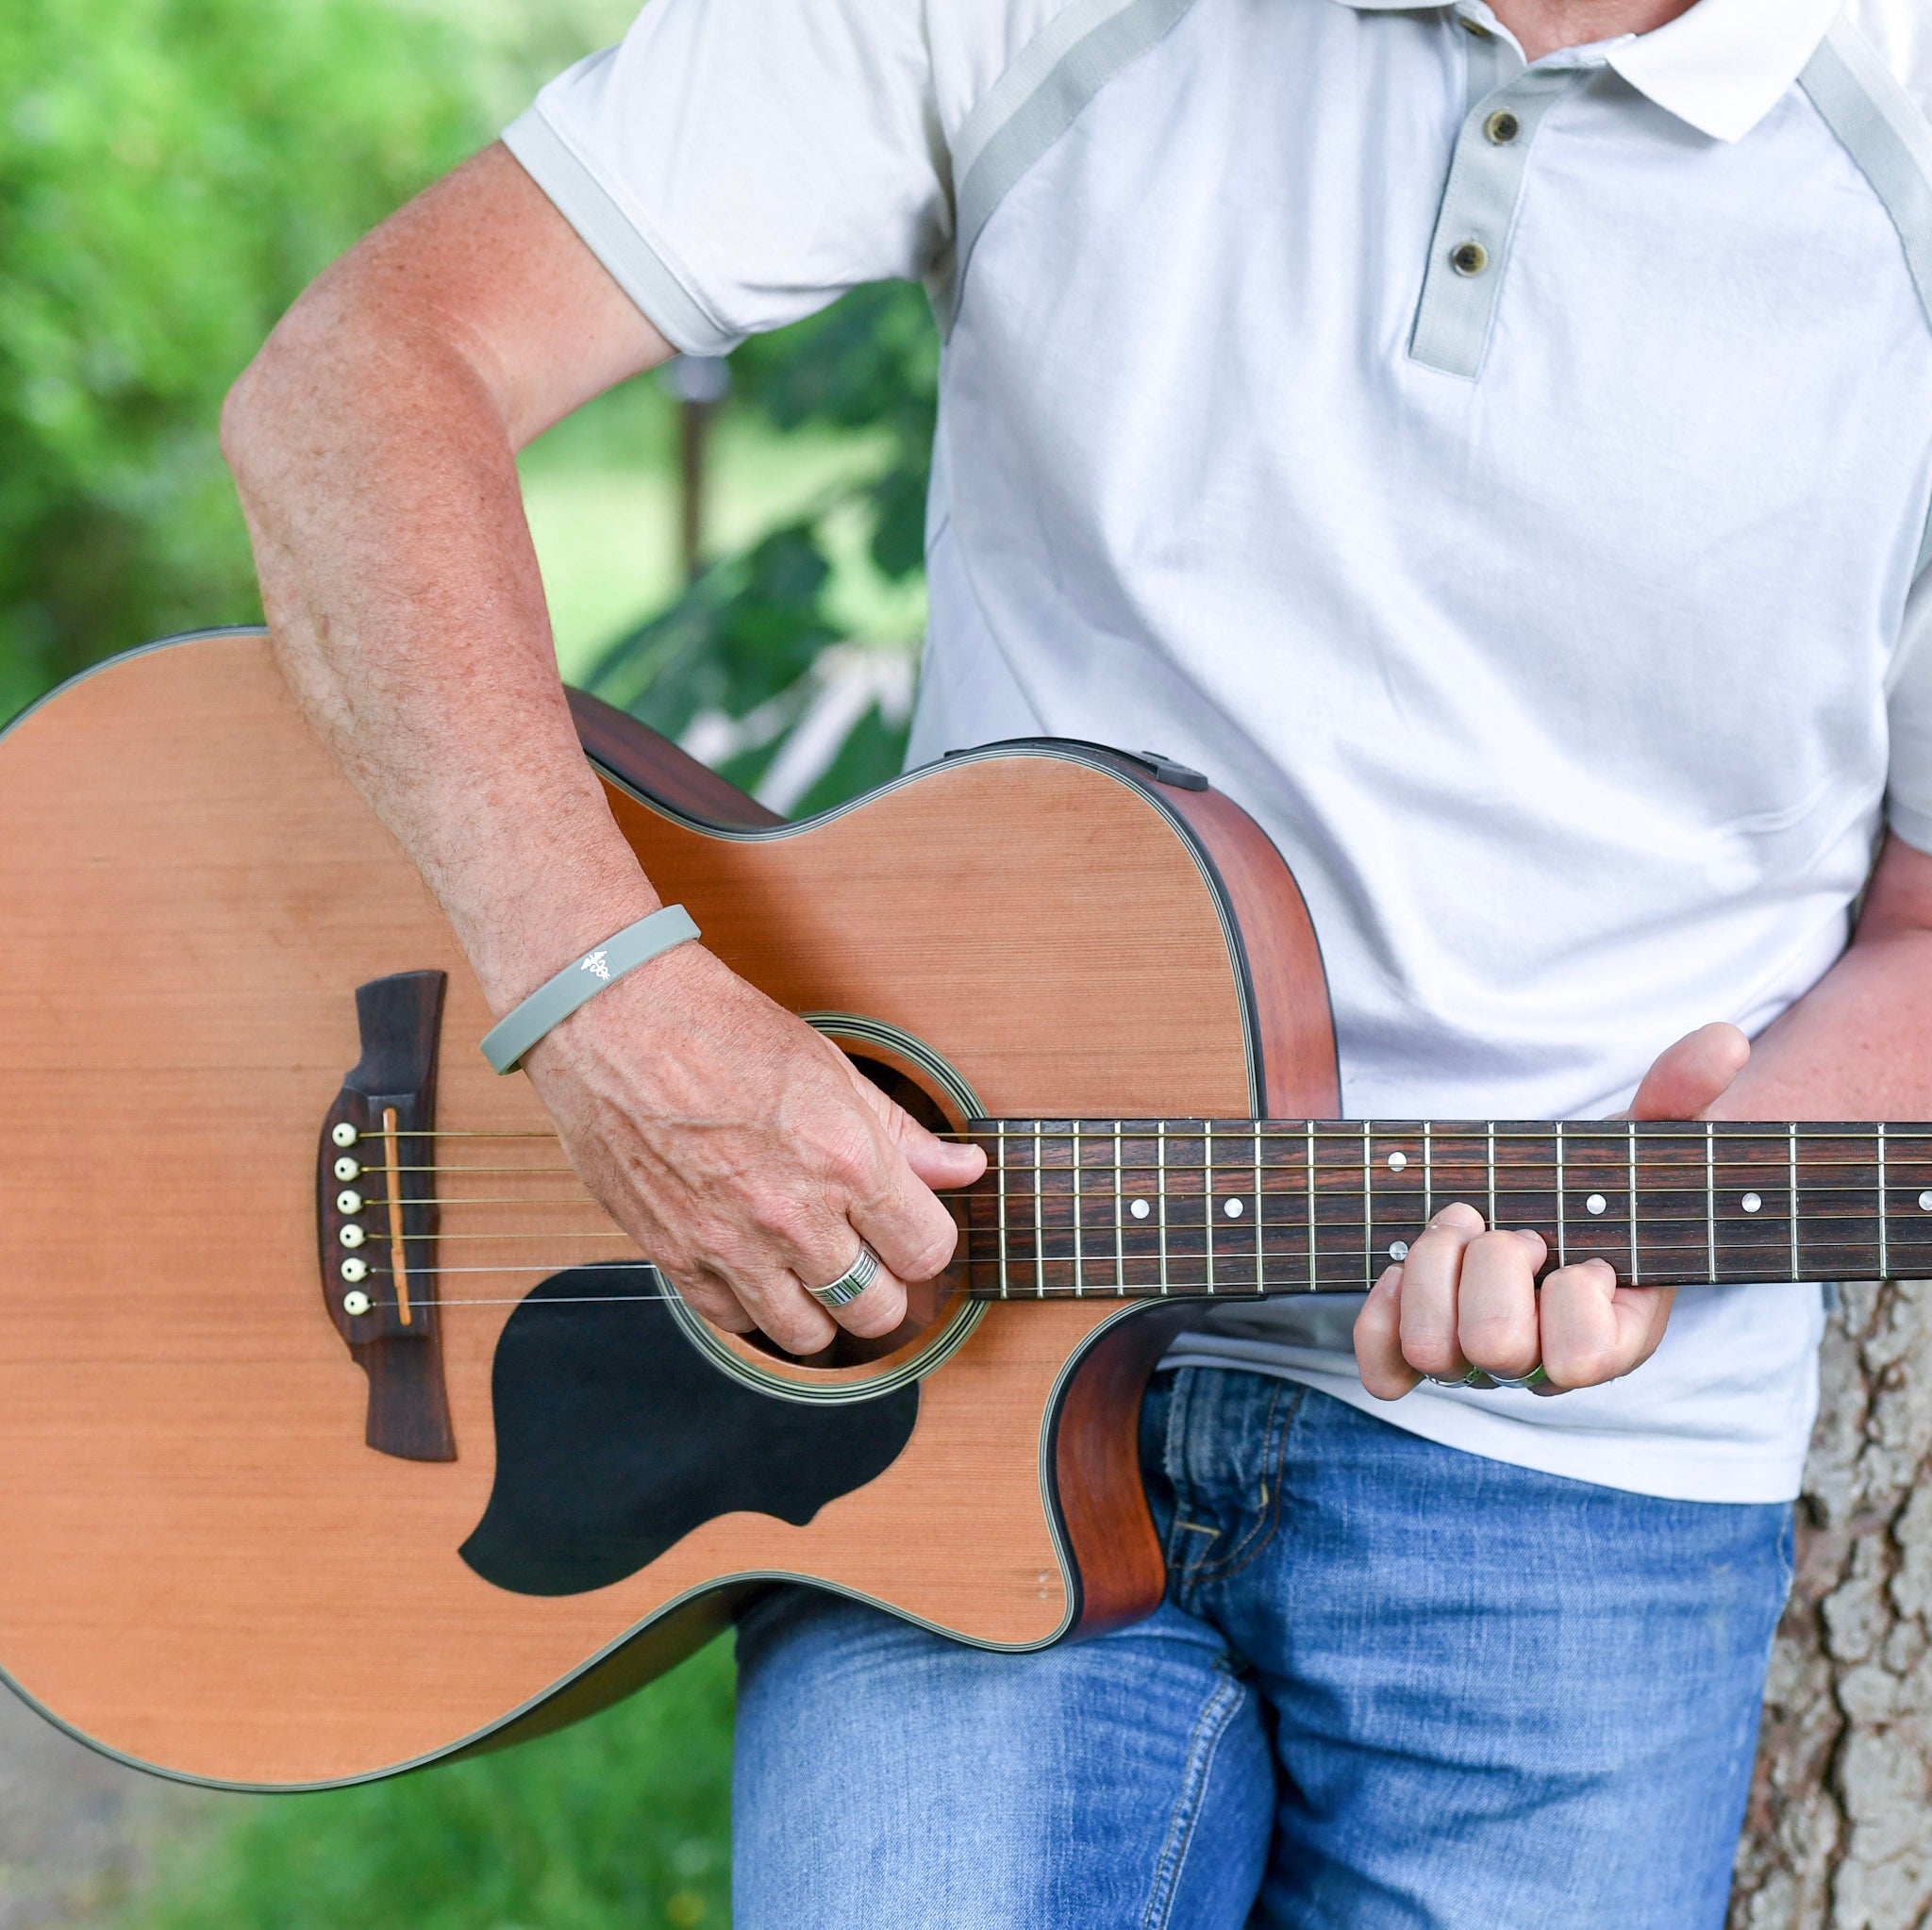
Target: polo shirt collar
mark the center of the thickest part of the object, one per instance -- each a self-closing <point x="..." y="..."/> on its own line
<point x="1721" y="67"/>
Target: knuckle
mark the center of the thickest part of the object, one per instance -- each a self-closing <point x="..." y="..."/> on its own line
<point x="1430" y="1353"/>
<point x="1587" y="1364"/>
<point x="932" y="1252"/>
<point x="789" y="1222"/>
<point x="852" y="1159"/>
<point x="877" y="1310"/>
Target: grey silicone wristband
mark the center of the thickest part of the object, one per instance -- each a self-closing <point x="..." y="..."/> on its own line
<point x="581" y="981"/>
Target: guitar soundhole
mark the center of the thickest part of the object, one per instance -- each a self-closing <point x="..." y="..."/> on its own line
<point x="927" y="1302"/>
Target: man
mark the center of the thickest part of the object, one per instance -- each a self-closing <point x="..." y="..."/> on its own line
<point x="1497" y="446"/>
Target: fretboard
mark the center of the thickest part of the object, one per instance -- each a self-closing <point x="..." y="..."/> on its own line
<point x="1148" y="1209"/>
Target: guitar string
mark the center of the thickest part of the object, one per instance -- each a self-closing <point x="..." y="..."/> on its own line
<point x="1292" y="1254"/>
<point x="1229" y="1229"/>
<point x="1735" y="1174"/>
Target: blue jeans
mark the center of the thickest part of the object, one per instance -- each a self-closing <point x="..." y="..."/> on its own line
<point x="1392" y="1684"/>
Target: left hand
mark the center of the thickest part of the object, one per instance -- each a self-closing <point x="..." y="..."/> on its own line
<point x="1468" y="1297"/>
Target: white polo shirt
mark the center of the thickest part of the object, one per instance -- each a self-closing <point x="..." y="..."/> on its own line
<point x="1508" y="482"/>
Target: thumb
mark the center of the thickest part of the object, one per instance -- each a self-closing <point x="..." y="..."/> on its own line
<point x="1692" y="1075"/>
<point x="936" y="1161"/>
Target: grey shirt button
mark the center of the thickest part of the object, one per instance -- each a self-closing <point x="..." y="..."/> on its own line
<point x="1469" y="258"/>
<point x="1502" y="127"/>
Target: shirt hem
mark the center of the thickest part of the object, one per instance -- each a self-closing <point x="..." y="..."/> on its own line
<point x="613" y="237"/>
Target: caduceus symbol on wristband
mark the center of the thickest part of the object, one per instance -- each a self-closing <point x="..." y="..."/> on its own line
<point x="595" y="962"/>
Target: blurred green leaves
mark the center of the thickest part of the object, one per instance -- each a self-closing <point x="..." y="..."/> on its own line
<point x="747" y="641"/>
<point x="171" y="171"/>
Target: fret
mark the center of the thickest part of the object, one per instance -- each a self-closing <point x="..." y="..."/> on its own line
<point x="1636" y="1263"/>
<point x="1367" y="1208"/>
<point x="1490" y="1154"/>
<point x="1120" y="1216"/>
<point x="1001" y="1130"/>
<point x="1079" y="1230"/>
<point x="1160" y="1190"/>
<point x="1884" y="1210"/>
<point x="1711" y="1191"/>
<point x="1261" y="1274"/>
<point x="1428" y="1174"/>
<point x="1039" y="1217"/>
<point x="1207" y="1198"/>
<point x="1562" y="1238"/>
<point x="1314" y="1264"/>
<point x="1792" y="1146"/>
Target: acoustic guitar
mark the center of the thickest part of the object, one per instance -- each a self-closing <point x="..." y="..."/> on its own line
<point x="341" y="1431"/>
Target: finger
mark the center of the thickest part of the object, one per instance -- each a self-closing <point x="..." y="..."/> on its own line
<point x="1378" y="1340"/>
<point x="935" y="1161"/>
<point x="1595" y="1331"/>
<point x="830" y="1257"/>
<point x="1496" y="1309"/>
<point x="787" y="1315"/>
<point x="896" y="1213"/>
<point x="1691" y="1075"/>
<point x="797" y="1238"/>
<point x="711" y="1295"/>
<point x="1430" y="1272"/>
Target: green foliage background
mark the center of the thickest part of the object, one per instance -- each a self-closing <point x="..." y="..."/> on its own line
<point x="172" y="173"/>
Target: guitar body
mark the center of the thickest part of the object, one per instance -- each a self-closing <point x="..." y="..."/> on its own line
<point x="207" y="1567"/>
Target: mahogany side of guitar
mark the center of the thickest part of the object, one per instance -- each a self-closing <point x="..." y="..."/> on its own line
<point x="202" y="1566"/>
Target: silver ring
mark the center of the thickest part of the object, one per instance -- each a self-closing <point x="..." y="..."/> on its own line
<point x="1484" y="1382"/>
<point x="851" y="1283"/>
<point x="1534" y="1377"/>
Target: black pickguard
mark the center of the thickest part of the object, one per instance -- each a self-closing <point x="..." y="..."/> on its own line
<point x="616" y="1437"/>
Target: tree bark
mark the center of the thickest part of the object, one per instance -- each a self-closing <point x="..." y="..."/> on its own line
<point x="1839" y="1832"/>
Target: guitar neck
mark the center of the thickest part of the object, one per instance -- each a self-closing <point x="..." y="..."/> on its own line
<point x="1144" y="1208"/>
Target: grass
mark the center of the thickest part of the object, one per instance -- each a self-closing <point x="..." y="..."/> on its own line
<point x="620" y="1824"/>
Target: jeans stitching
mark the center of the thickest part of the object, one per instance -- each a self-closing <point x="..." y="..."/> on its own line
<point x="1256" y="1541"/>
<point x="1210" y="1727"/>
<point x="1204" y="1563"/>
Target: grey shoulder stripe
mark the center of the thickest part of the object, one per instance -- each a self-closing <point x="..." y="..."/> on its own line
<point x="1881" y="128"/>
<point x="612" y="237"/>
<point x="1038" y="115"/>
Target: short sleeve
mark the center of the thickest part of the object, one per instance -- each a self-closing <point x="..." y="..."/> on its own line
<point x="1909" y="787"/>
<point x="736" y="164"/>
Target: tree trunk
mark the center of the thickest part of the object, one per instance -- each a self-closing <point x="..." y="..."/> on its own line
<point x="1838" y="1831"/>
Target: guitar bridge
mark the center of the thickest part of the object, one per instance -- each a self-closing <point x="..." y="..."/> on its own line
<point x="375" y="1216"/>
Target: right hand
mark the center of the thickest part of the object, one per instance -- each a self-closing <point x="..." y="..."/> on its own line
<point x="744" y="1153"/>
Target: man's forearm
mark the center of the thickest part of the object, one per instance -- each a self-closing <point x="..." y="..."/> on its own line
<point x="374" y="450"/>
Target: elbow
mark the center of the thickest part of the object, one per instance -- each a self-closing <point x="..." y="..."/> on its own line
<point x="310" y="365"/>
<point x="261" y="396"/>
